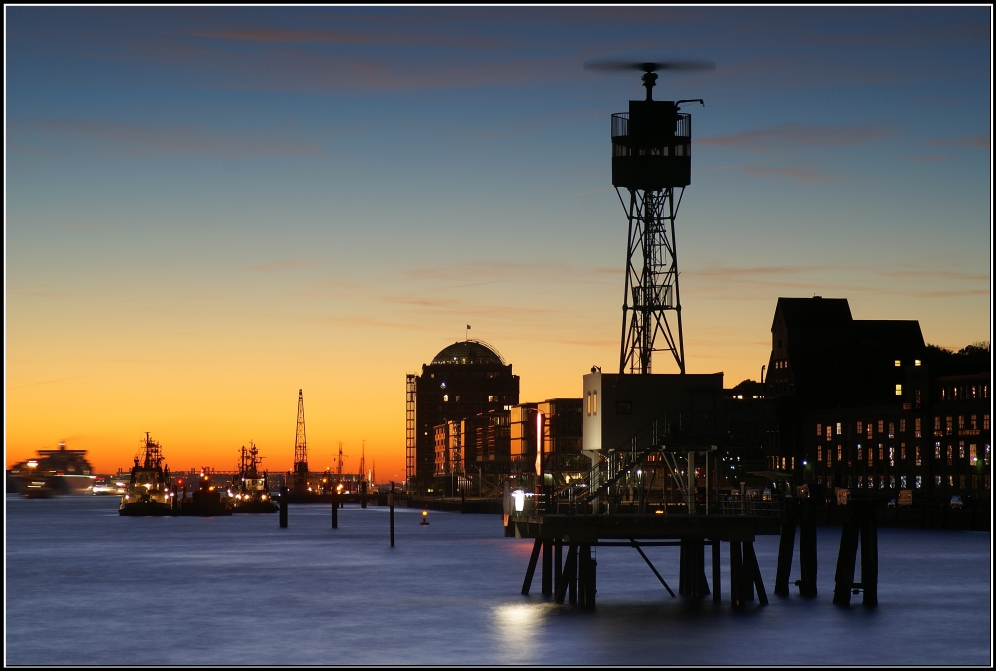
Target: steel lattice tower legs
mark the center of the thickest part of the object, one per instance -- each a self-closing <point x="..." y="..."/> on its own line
<point x="651" y="289"/>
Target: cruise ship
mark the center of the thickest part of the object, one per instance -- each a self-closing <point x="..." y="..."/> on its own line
<point x="52" y="472"/>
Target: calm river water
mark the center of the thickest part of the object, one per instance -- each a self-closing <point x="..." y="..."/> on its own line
<point x="85" y="586"/>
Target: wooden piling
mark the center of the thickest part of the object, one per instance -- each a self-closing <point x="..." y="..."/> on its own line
<point x="786" y="545"/>
<point x="869" y="556"/>
<point x="390" y="503"/>
<point x="807" y="547"/>
<point x="547" y="567"/>
<point x="558" y="577"/>
<point x="531" y="569"/>
<point x="363" y="494"/>
<point x="753" y="572"/>
<point x="702" y="583"/>
<point x="846" y="555"/>
<point x="568" y="577"/>
<point x="586" y="578"/>
<point x="738" y="596"/>
<point x="283" y="506"/>
<point x="572" y="582"/>
<point x="715" y="571"/>
<point x="335" y="509"/>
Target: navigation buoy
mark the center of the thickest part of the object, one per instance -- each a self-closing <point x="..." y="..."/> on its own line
<point x="425" y="518"/>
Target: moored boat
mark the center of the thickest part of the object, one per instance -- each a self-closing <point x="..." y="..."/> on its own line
<point x="250" y="492"/>
<point x="147" y="491"/>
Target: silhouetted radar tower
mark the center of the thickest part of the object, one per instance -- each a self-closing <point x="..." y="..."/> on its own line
<point x="300" y="442"/>
<point x="651" y="159"/>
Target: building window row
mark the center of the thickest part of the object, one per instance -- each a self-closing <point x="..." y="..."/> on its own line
<point x="963" y="392"/>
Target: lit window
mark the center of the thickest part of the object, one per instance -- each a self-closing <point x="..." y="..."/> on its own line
<point x="961" y="422"/>
<point x="594" y="402"/>
<point x="859" y="451"/>
<point x="950" y="481"/>
<point x="961" y="449"/>
<point x="975" y="422"/>
<point x="446" y="397"/>
<point x="902" y="482"/>
<point x="860" y="428"/>
<point x="871" y="429"/>
<point x="902" y="451"/>
<point x="871" y="457"/>
<point x="902" y="426"/>
<point x="985" y="422"/>
<point x="840" y="453"/>
<point x="937" y="450"/>
<point x="916" y="362"/>
<point x="829" y="432"/>
<point x="916" y="428"/>
<point x="899" y="390"/>
<point x="881" y="452"/>
<point x="892" y="429"/>
<point x="892" y="456"/>
<point x="838" y="429"/>
<point x="950" y="452"/>
<point x="937" y="480"/>
<point x="948" y="425"/>
<point x="919" y="481"/>
<point x="892" y="482"/>
<point x="819" y="429"/>
<point x="917" y="455"/>
<point x="972" y="456"/>
<point x="881" y="425"/>
<point x="898" y="363"/>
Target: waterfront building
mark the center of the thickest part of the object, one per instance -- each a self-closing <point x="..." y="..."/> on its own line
<point x="464" y="380"/>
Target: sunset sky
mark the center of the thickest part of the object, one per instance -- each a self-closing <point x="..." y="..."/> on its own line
<point x="208" y="209"/>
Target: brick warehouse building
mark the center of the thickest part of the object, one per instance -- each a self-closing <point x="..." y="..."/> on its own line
<point x="859" y="406"/>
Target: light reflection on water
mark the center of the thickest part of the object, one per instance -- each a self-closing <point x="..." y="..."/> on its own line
<point x="85" y="586"/>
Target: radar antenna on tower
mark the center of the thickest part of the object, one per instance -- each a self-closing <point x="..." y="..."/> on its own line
<point x="651" y="159"/>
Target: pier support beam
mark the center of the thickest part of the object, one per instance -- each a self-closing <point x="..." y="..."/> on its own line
<point x="860" y="521"/>
<point x="692" y="577"/>
<point x="738" y="593"/>
<point x="807" y="547"/>
<point x="548" y="567"/>
<point x="568" y="577"/>
<point x="586" y="577"/>
<point x="283" y="506"/>
<point x="531" y="569"/>
<point x="715" y="571"/>
<point x="558" y="563"/>
<point x="786" y="545"/>
<point x="753" y="572"/>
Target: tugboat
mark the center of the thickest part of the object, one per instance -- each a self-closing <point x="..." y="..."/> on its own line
<point x="206" y="501"/>
<point x="251" y="493"/>
<point x="148" y="489"/>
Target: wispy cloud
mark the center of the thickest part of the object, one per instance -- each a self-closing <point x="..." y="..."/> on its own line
<point x="798" y="175"/>
<point x="980" y="141"/>
<point x="133" y="139"/>
<point x="799" y="135"/>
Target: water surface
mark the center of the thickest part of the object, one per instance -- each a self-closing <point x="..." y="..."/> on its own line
<point x="86" y="586"/>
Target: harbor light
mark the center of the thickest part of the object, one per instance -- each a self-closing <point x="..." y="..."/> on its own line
<point x="519" y="497"/>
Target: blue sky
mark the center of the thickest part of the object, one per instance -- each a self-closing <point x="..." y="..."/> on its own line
<point x="247" y="199"/>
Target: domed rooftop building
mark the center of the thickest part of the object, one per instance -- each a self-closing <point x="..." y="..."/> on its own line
<point x="469" y="352"/>
<point x="464" y="379"/>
